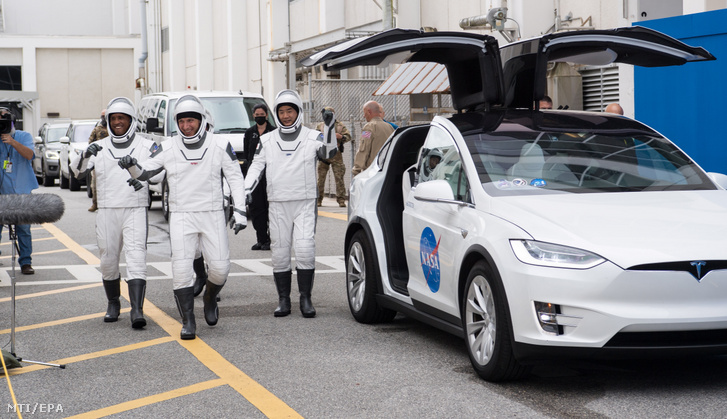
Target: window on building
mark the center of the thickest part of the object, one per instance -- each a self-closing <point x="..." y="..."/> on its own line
<point x="600" y="87"/>
<point x="10" y="77"/>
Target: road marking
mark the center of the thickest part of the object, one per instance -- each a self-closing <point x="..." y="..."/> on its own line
<point x="92" y="355"/>
<point x="59" y="322"/>
<point x="260" y="397"/>
<point x="145" y="401"/>
<point x="335" y="215"/>
<point x="76" y="248"/>
<point x="51" y="292"/>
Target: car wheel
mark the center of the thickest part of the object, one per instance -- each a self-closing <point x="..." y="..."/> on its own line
<point x="73" y="184"/>
<point x="486" y="324"/>
<point x="64" y="181"/>
<point x="165" y="199"/>
<point x="362" y="282"/>
<point x="47" y="180"/>
<point x="89" y="190"/>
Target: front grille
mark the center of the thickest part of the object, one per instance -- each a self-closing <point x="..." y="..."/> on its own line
<point x="690" y="266"/>
<point x="685" y="339"/>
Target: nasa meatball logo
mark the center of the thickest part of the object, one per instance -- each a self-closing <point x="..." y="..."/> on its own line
<point x="429" y="252"/>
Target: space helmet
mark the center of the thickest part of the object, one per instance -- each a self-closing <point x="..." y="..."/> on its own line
<point x="290" y="98"/>
<point x="124" y="106"/>
<point x="189" y="106"/>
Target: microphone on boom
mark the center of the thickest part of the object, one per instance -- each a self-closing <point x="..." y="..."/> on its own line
<point x="18" y="209"/>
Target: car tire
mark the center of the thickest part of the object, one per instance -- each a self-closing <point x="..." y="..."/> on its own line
<point x="362" y="282"/>
<point x="47" y="180"/>
<point x="73" y="184"/>
<point x="486" y="323"/>
<point x="89" y="190"/>
<point x="64" y="181"/>
<point x="165" y="199"/>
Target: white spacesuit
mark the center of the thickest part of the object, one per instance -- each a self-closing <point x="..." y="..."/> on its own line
<point x="289" y="156"/>
<point x="122" y="201"/>
<point x="429" y="163"/>
<point x="195" y="161"/>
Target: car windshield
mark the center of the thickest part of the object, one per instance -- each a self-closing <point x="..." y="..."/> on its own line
<point x="231" y="114"/>
<point x="55" y="134"/>
<point x="81" y="133"/>
<point x="526" y="162"/>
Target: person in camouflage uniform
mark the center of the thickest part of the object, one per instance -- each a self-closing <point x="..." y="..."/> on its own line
<point x="339" y="168"/>
<point x="99" y="132"/>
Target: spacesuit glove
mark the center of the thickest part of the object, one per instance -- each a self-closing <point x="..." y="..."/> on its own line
<point x="248" y="196"/>
<point x="135" y="184"/>
<point x="127" y="161"/>
<point x="240" y="222"/>
<point x="92" y="150"/>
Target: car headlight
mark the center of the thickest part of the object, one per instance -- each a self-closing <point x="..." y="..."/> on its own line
<point x="51" y="155"/>
<point x="554" y="255"/>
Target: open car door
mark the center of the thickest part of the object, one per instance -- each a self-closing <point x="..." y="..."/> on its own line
<point x="525" y="62"/>
<point x="472" y="61"/>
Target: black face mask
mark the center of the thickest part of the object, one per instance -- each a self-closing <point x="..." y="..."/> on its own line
<point x="261" y="120"/>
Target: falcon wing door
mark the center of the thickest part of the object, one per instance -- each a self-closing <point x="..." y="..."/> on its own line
<point x="472" y="61"/>
<point x="525" y="62"/>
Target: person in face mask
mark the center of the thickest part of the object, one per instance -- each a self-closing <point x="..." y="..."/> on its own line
<point x="121" y="221"/>
<point x="258" y="209"/>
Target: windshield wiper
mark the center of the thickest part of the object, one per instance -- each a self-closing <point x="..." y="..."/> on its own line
<point x="230" y="130"/>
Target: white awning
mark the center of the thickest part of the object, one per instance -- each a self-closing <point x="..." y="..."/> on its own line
<point x="415" y="77"/>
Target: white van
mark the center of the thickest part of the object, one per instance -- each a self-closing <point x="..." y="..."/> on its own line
<point x="231" y="111"/>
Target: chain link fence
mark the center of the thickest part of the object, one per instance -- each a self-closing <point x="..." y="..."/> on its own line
<point x="347" y="98"/>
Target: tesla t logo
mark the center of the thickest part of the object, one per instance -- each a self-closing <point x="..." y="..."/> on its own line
<point x="698" y="264"/>
<point x="429" y="253"/>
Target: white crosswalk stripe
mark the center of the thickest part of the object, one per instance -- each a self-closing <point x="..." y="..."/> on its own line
<point x="75" y="274"/>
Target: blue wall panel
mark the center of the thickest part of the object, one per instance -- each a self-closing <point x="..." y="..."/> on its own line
<point x="688" y="104"/>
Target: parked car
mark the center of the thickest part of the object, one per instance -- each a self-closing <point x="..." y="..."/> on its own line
<point x="74" y="142"/>
<point x="231" y="113"/>
<point x="539" y="234"/>
<point x="47" y="152"/>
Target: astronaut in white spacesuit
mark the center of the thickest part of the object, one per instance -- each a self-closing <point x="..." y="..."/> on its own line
<point x="195" y="161"/>
<point x="121" y="221"/>
<point x="429" y="163"/>
<point x="289" y="156"/>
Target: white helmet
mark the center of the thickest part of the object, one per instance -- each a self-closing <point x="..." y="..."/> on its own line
<point x="124" y="106"/>
<point x="210" y="121"/>
<point x="290" y="98"/>
<point x="189" y="106"/>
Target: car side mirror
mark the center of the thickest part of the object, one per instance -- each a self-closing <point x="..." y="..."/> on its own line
<point x="152" y="125"/>
<point x="65" y="140"/>
<point x="37" y="140"/>
<point x="434" y="191"/>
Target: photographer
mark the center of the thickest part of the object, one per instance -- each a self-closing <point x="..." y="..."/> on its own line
<point x="335" y="162"/>
<point x="17" y="177"/>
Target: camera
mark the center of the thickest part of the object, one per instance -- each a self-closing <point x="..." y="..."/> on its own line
<point x="6" y="123"/>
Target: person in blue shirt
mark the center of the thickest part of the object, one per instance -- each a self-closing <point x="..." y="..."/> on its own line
<point x="17" y="177"/>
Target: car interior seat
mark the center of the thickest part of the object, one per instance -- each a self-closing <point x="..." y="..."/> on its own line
<point x="530" y="164"/>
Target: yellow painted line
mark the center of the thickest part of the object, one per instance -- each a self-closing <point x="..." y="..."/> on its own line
<point x="259" y="396"/>
<point x="269" y="404"/>
<point x="92" y="355"/>
<point x="51" y="292"/>
<point x="40" y="253"/>
<point x="59" y="322"/>
<point x="34" y="240"/>
<point x="146" y="401"/>
<point x="337" y="216"/>
<point x="76" y="248"/>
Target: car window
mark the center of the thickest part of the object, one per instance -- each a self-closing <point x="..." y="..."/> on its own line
<point x="53" y="135"/>
<point x="580" y="162"/>
<point x="162" y="113"/>
<point x="81" y="133"/>
<point x="439" y="159"/>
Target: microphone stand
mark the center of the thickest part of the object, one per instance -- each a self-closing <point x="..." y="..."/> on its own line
<point x="13" y="238"/>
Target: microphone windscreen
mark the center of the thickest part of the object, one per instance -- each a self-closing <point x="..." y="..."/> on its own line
<point x="17" y="209"/>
